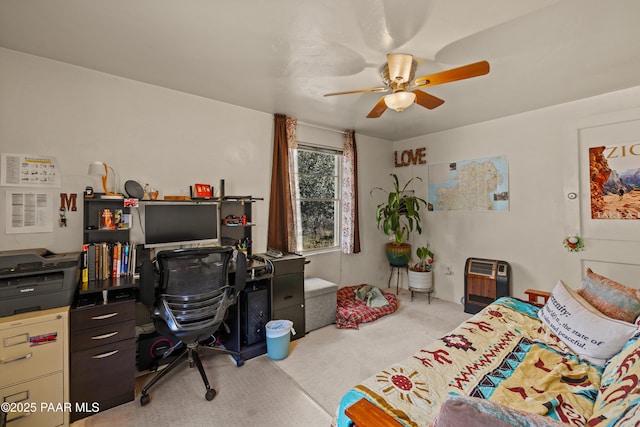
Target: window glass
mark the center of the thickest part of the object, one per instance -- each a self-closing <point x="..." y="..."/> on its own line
<point x="317" y="200"/>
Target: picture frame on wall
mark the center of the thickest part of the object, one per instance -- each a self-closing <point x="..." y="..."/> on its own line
<point x="608" y="151"/>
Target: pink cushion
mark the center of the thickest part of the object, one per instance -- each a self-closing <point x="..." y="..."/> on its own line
<point x="610" y="298"/>
<point x="464" y="411"/>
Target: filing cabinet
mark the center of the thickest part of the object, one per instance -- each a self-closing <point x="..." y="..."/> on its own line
<point x="102" y="356"/>
<point x="34" y="360"/>
<point x="287" y="291"/>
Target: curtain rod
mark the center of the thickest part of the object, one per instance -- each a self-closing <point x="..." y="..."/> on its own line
<point x="320" y="127"/>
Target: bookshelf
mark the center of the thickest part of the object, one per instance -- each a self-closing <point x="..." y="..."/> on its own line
<point x="236" y="222"/>
<point x="102" y="344"/>
<point x="106" y="232"/>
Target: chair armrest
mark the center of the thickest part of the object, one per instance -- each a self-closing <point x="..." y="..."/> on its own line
<point x="365" y="414"/>
<point x="534" y="294"/>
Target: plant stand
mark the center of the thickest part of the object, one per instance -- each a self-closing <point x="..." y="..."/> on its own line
<point x="397" y="269"/>
<point x="421" y="282"/>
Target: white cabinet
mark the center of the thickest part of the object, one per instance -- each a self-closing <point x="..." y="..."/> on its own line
<point x="34" y="359"/>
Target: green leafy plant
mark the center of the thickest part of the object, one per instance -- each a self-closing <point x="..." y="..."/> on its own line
<point x="427" y="258"/>
<point x="400" y="214"/>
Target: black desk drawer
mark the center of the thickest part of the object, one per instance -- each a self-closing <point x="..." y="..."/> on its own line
<point x="287" y="265"/>
<point x="288" y="290"/>
<point x="103" y="335"/>
<point x="295" y="313"/>
<point x="98" y="374"/>
<point x="99" y="315"/>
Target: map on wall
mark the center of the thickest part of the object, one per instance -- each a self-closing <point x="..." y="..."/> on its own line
<point x="477" y="185"/>
<point x="614" y="180"/>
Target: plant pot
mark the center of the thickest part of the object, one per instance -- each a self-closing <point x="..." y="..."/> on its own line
<point x="398" y="254"/>
<point x="420" y="280"/>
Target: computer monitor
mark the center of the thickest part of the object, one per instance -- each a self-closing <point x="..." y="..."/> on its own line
<point x="172" y="223"/>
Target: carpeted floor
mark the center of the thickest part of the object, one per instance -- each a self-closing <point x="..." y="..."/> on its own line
<point x="303" y="389"/>
<point x="256" y="394"/>
<point x="329" y="361"/>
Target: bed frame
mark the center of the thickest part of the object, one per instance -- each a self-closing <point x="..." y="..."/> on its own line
<point x="365" y="414"/>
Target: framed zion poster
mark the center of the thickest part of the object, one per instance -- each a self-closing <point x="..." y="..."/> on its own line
<point x="614" y="181"/>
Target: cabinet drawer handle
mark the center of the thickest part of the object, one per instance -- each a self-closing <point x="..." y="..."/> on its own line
<point x="288" y="297"/>
<point x="15" y="359"/>
<point x="104" y="316"/>
<point x="103" y="355"/>
<point x="104" y="336"/>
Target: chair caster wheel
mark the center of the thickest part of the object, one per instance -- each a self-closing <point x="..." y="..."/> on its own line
<point x="144" y="399"/>
<point x="210" y="394"/>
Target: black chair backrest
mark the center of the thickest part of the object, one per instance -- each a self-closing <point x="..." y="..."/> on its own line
<point x="194" y="291"/>
<point x="194" y="271"/>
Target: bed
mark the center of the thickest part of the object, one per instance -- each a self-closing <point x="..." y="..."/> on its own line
<point x="571" y="362"/>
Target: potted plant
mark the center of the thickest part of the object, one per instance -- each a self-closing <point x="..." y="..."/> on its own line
<point x="398" y="216"/>
<point x="421" y="273"/>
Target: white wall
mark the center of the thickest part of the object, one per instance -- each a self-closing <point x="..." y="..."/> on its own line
<point x="542" y="154"/>
<point x="146" y="133"/>
<point x="158" y="136"/>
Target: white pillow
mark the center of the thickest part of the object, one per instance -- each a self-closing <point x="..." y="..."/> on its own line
<point x="585" y="330"/>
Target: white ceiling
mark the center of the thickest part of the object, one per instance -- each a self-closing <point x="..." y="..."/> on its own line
<point x="281" y="56"/>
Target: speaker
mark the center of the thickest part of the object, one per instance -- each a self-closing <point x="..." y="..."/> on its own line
<point x="151" y="348"/>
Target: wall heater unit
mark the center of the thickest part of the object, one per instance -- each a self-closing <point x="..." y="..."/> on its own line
<point x="485" y="280"/>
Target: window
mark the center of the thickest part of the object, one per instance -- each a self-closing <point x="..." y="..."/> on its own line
<point x="317" y="178"/>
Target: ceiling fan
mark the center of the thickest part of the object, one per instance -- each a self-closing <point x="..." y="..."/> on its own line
<point x="397" y="75"/>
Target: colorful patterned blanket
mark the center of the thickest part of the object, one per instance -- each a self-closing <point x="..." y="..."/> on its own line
<point x="502" y="354"/>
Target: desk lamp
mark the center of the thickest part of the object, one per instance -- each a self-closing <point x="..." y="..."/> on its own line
<point x="101" y="169"/>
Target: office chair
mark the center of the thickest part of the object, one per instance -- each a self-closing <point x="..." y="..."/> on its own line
<point x="191" y="302"/>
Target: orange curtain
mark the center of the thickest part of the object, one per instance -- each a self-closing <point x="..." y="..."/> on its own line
<point x="350" y="214"/>
<point x="281" y="231"/>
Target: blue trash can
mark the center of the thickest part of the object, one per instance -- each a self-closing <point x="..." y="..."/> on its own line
<point x="278" y="335"/>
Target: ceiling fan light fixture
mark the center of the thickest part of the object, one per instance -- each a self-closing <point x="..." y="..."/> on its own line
<point x="400" y="100"/>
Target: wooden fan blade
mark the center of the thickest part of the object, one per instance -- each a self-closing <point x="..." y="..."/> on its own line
<point x="375" y="89"/>
<point x="427" y="100"/>
<point x="465" y="72"/>
<point x="377" y="111"/>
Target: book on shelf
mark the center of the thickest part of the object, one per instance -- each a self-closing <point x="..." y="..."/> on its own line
<point x="125" y="221"/>
<point x="103" y="260"/>
<point x="85" y="264"/>
<point x="106" y="220"/>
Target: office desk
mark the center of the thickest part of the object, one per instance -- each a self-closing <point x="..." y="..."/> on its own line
<point x="103" y="344"/>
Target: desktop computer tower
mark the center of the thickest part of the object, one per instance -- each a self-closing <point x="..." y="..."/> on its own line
<point x="255" y="314"/>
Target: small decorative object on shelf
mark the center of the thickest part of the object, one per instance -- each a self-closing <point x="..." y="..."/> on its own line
<point x="202" y="191"/>
<point x="573" y="243"/>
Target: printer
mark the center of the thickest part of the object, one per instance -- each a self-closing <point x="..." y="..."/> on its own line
<point x="37" y="279"/>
